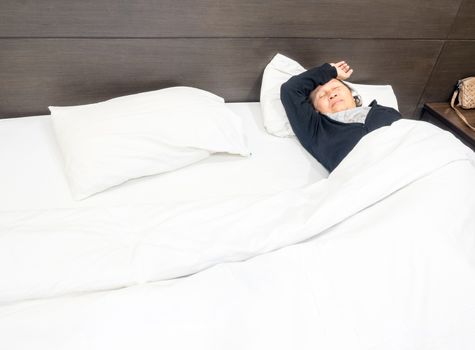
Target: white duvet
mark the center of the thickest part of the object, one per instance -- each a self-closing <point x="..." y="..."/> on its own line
<point x="381" y="255"/>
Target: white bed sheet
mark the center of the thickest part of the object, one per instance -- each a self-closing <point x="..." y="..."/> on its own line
<point x="392" y="268"/>
<point x="392" y="265"/>
<point x="28" y="144"/>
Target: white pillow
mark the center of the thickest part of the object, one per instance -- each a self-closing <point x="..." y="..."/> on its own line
<point x="383" y="94"/>
<point x="107" y="143"/>
<point x="280" y="69"/>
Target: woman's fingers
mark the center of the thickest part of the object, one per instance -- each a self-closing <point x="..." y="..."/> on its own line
<point x="342" y="65"/>
<point x="343" y="69"/>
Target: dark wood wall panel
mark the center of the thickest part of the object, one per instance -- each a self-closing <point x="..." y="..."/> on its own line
<point x="41" y="72"/>
<point x="73" y="52"/>
<point x="229" y="18"/>
<point x="456" y="61"/>
<point x="464" y="25"/>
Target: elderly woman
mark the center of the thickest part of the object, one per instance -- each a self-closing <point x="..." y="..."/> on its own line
<point x="325" y="116"/>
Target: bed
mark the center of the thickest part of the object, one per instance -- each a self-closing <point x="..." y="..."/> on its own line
<point x="240" y="239"/>
<point x="253" y="251"/>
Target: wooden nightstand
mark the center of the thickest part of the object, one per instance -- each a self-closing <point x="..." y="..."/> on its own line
<point x="442" y="115"/>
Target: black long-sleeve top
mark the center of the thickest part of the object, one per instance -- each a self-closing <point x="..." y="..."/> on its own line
<point x="328" y="140"/>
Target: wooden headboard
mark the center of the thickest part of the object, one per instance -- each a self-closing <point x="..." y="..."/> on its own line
<point x="56" y="52"/>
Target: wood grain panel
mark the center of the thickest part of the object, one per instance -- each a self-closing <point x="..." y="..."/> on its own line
<point x="36" y="73"/>
<point x="464" y="25"/>
<point x="456" y="61"/>
<point x="228" y="18"/>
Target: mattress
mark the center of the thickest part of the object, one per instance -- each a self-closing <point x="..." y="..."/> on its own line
<point x="34" y="177"/>
<point x="263" y="252"/>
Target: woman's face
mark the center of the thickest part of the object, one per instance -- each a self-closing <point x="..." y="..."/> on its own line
<point x="332" y="97"/>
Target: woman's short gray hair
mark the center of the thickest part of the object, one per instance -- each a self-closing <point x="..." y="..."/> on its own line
<point x="355" y="94"/>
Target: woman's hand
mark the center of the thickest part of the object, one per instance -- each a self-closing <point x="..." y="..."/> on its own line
<point x="343" y="70"/>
